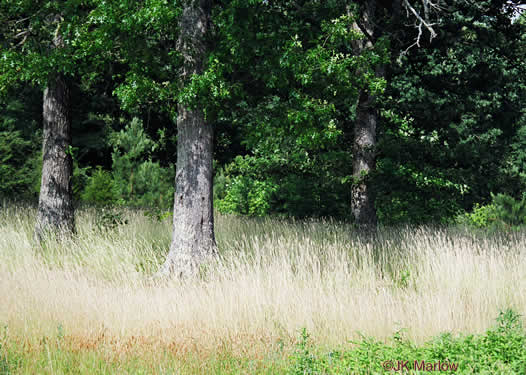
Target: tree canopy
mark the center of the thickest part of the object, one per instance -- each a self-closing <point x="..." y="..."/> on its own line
<point x="280" y="86"/>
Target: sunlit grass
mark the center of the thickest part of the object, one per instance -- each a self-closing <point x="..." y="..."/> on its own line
<point x="93" y="292"/>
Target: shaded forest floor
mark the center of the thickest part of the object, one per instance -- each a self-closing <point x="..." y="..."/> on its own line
<point x="87" y="304"/>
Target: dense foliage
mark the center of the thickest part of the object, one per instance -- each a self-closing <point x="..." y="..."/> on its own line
<point x="280" y="88"/>
<point x="453" y="114"/>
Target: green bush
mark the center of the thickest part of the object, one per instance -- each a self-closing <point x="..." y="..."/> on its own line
<point x="18" y="161"/>
<point x="139" y="181"/>
<point x="81" y="177"/>
<point x="246" y="196"/>
<point x="480" y="217"/>
<point x="510" y="211"/>
<point x="257" y="186"/>
<point x="20" y="143"/>
<point x="501" y="350"/>
<point x="99" y="188"/>
<point x="239" y="188"/>
<point x="412" y="192"/>
<point x="504" y="212"/>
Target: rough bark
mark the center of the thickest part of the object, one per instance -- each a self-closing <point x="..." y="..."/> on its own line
<point x="193" y="239"/>
<point x="364" y="160"/>
<point x="55" y="205"/>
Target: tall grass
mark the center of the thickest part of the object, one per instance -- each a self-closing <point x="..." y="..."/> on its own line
<point x="273" y="278"/>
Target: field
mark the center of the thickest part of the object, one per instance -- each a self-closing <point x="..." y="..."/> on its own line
<point x="290" y="297"/>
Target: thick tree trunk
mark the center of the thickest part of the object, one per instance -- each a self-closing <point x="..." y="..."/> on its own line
<point x="193" y="239"/>
<point x="364" y="160"/>
<point x="55" y="206"/>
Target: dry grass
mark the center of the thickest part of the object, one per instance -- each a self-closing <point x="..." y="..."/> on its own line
<point x="274" y="277"/>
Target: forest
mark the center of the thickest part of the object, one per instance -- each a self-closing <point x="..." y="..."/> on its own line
<point x="280" y="86"/>
<point x="243" y="186"/>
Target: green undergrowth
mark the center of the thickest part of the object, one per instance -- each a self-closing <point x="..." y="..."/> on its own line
<point x="500" y="350"/>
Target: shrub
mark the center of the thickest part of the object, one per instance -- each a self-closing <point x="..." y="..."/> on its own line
<point x="501" y="350"/>
<point x="504" y="212"/>
<point x="18" y="172"/>
<point x="509" y="211"/>
<point x="99" y="188"/>
<point x="480" y="217"/>
<point x="139" y="181"/>
<point x="246" y="196"/>
<point x="261" y="185"/>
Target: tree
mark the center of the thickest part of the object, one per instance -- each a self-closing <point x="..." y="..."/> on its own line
<point x="27" y="29"/>
<point x="452" y="112"/>
<point x="305" y="89"/>
<point x="193" y="238"/>
<point x="309" y="103"/>
<point x="55" y="203"/>
<point x="48" y="44"/>
<point x="297" y="82"/>
<point x="377" y="19"/>
<point x="179" y="82"/>
<point x="51" y="45"/>
<point x="428" y="18"/>
<point x="364" y="159"/>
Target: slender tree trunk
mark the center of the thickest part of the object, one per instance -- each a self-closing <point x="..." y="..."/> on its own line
<point x="193" y="240"/>
<point x="55" y="206"/>
<point x="364" y="160"/>
<point x="364" y="144"/>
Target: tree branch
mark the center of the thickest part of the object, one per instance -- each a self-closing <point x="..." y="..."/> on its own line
<point x="21" y="34"/>
<point x="422" y="21"/>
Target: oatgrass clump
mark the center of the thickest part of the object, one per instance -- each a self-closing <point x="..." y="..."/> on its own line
<point x="274" y="277"/>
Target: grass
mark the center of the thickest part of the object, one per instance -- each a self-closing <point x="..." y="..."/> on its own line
<point x="86" y="305"/>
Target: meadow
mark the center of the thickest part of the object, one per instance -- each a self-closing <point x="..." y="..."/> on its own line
<point x="285" y="296"/>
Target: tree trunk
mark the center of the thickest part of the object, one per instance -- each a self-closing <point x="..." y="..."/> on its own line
<point x="193" y="240"/>
<point x="55" y="206"/>
<point x="364" y="160"/>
